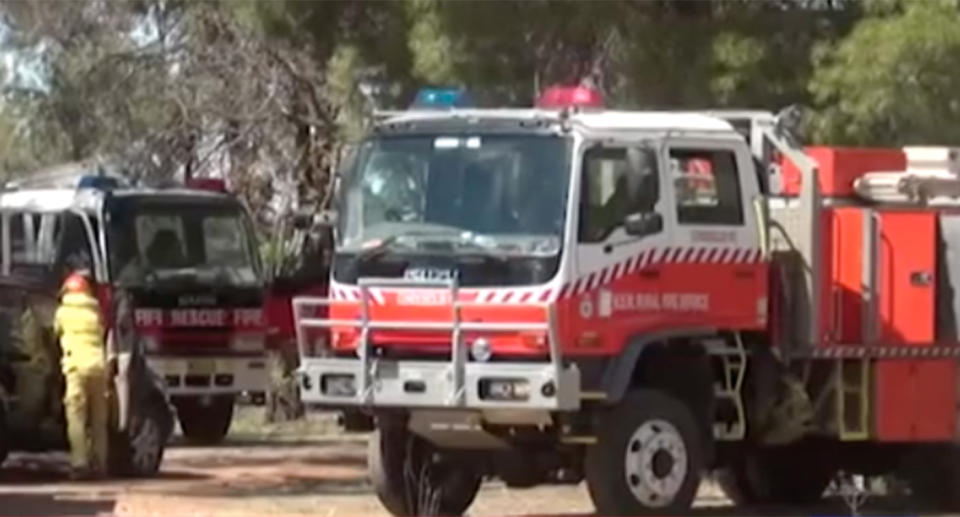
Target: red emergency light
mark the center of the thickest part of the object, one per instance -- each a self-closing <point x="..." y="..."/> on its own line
<point x="557" y="97"/>
<point x="212" y="184"/>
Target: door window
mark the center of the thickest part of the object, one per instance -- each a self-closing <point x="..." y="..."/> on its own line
<point x="605" y="198"/>
<point x="707" y="186"/>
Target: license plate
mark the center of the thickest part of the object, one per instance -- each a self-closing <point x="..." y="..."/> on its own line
<point x="201" y="367"/>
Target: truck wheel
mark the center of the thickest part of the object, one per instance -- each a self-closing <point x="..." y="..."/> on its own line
<point x="648" y="457"/>
<point x="775" y="475"/>
<point x="4" y="435"/>
<point x="139" y="451"/>
<point x="410" y="479"/>
<point x="205" y="424"/>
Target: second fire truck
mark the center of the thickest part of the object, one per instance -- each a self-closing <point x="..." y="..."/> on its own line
<point x="188" y="257"/>
<point x="631" y="298"/>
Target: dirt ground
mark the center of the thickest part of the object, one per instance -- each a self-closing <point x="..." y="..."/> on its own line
<point x="302" y="469"/>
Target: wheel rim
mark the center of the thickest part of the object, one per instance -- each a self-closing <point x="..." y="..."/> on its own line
<point x="146" y="448"/>
<point x="655" y="463"/>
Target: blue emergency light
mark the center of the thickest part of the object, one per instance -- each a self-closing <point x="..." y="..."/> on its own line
<point x="98" y="182"/>
<point x="441" y="98"/>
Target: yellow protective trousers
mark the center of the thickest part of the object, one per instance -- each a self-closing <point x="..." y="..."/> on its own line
<point x="79" y="327"/>
<point x="85" y="405"/>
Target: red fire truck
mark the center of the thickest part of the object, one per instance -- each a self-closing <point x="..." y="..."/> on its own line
<point x="188" y="257"/>
<point x="632" y="298"/>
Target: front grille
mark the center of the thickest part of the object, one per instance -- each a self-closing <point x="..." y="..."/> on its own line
<point x="218" y="340"/>
<point x="197" y="381"/>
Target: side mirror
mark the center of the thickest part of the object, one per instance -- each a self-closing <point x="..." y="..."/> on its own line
<point x="308" y="220"/>
<point x="643" y="223"/>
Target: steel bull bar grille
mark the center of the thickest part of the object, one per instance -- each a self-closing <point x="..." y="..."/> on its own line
<point x="453" y="383"/>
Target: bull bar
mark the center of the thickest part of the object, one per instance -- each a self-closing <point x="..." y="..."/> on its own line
<point x="381" y="382"/>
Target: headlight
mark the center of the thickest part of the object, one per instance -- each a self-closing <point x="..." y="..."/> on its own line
<point x="247" y="342"/>
<point x="149" y="343"/>
<point x="480" y="350"/>
<point x="504" y="389"/>
<point x="338" y="385"/>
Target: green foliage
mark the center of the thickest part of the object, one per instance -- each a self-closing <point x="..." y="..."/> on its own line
<point x="893" y="80"/>
<point x="268" y="90"/>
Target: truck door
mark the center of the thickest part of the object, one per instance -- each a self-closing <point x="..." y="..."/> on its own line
<point x="612" y="288"/>
<point x="698" y="267"/>
<point x="713" y="192"/>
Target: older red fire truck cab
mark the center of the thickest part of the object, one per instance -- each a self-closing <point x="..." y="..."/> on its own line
<point x="187" y="256"/>
<point x="632" y="298"/>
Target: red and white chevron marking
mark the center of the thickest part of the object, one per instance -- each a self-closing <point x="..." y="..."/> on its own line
<point x="585" y="283"/>
<point x="659" y="256"/>
<point x="490" y="296"/>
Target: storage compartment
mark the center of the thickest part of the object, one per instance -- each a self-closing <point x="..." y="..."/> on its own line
<point x="839" y="166"/>
<point x="915" y="400"/>
<point x="908" y="277"/>
<point x="880" y="277"/>
<point x="843" y="260"/>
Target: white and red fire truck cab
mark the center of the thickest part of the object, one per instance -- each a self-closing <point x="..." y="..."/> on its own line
<point x="569" y="292"/>
<point x="186" y="255"/>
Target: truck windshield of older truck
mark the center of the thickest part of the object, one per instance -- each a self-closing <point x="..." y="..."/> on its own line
<point x="154" y="242"/>
<point x="498" y="192"/>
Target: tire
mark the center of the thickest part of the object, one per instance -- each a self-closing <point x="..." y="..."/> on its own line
<point x="776" y="475"/>
<point x="139" y="451"/>
<point x="205" y="425"/>
<point x="404" y="472"/>
<point x="4" y="433"/>
<point x="623" y="478"/>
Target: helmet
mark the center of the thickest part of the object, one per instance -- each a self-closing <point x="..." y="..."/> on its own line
<point x="76" y="283"/>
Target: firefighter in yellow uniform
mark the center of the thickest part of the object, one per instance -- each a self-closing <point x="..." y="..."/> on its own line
<point x="79" y="328"/>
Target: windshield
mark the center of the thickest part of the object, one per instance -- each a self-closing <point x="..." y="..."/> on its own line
<point x="503" y="192"/>
<point x="163" y="242"/>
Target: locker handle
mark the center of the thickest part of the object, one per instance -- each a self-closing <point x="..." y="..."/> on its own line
<point x="921" y="278"/>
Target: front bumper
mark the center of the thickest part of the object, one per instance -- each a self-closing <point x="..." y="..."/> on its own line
<point x="431" y="384"/>
<point x="210" y="375"/>
<point x="456" y="383"/>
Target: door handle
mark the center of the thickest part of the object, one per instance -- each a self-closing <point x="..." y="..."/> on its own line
<point x="921" y="278"/>
<point x="649" y="273"/>
<point x="744" y="273"/>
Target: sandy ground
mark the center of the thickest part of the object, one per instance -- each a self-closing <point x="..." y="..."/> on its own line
<point x="307" y="471"/>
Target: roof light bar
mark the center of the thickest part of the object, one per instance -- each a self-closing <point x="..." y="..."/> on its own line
<point x="559" y="97"/>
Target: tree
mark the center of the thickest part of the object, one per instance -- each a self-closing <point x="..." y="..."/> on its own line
<point x="893" y="80"/>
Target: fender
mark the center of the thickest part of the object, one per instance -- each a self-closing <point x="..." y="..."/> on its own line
<point x="620" y="368"/>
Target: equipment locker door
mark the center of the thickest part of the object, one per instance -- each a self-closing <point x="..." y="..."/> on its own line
<point x="915" y="399"/>
<point x="907" y="276"/>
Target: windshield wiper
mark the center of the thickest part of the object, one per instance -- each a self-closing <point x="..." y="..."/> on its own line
<point x="380" y="248"/>
<point x="455" y="239"/>
<point x="491" y="252"/>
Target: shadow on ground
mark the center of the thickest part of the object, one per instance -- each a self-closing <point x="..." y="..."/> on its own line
<point x="325" y="460"/>
<point x="831" y="506"/>
<point x="282" y="486"/>
<point x="53" y="505"/>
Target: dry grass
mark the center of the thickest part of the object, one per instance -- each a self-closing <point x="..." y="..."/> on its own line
<point x="249" y="424"/>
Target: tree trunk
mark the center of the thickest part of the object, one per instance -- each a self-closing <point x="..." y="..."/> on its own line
<point x="283" y="402"/>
